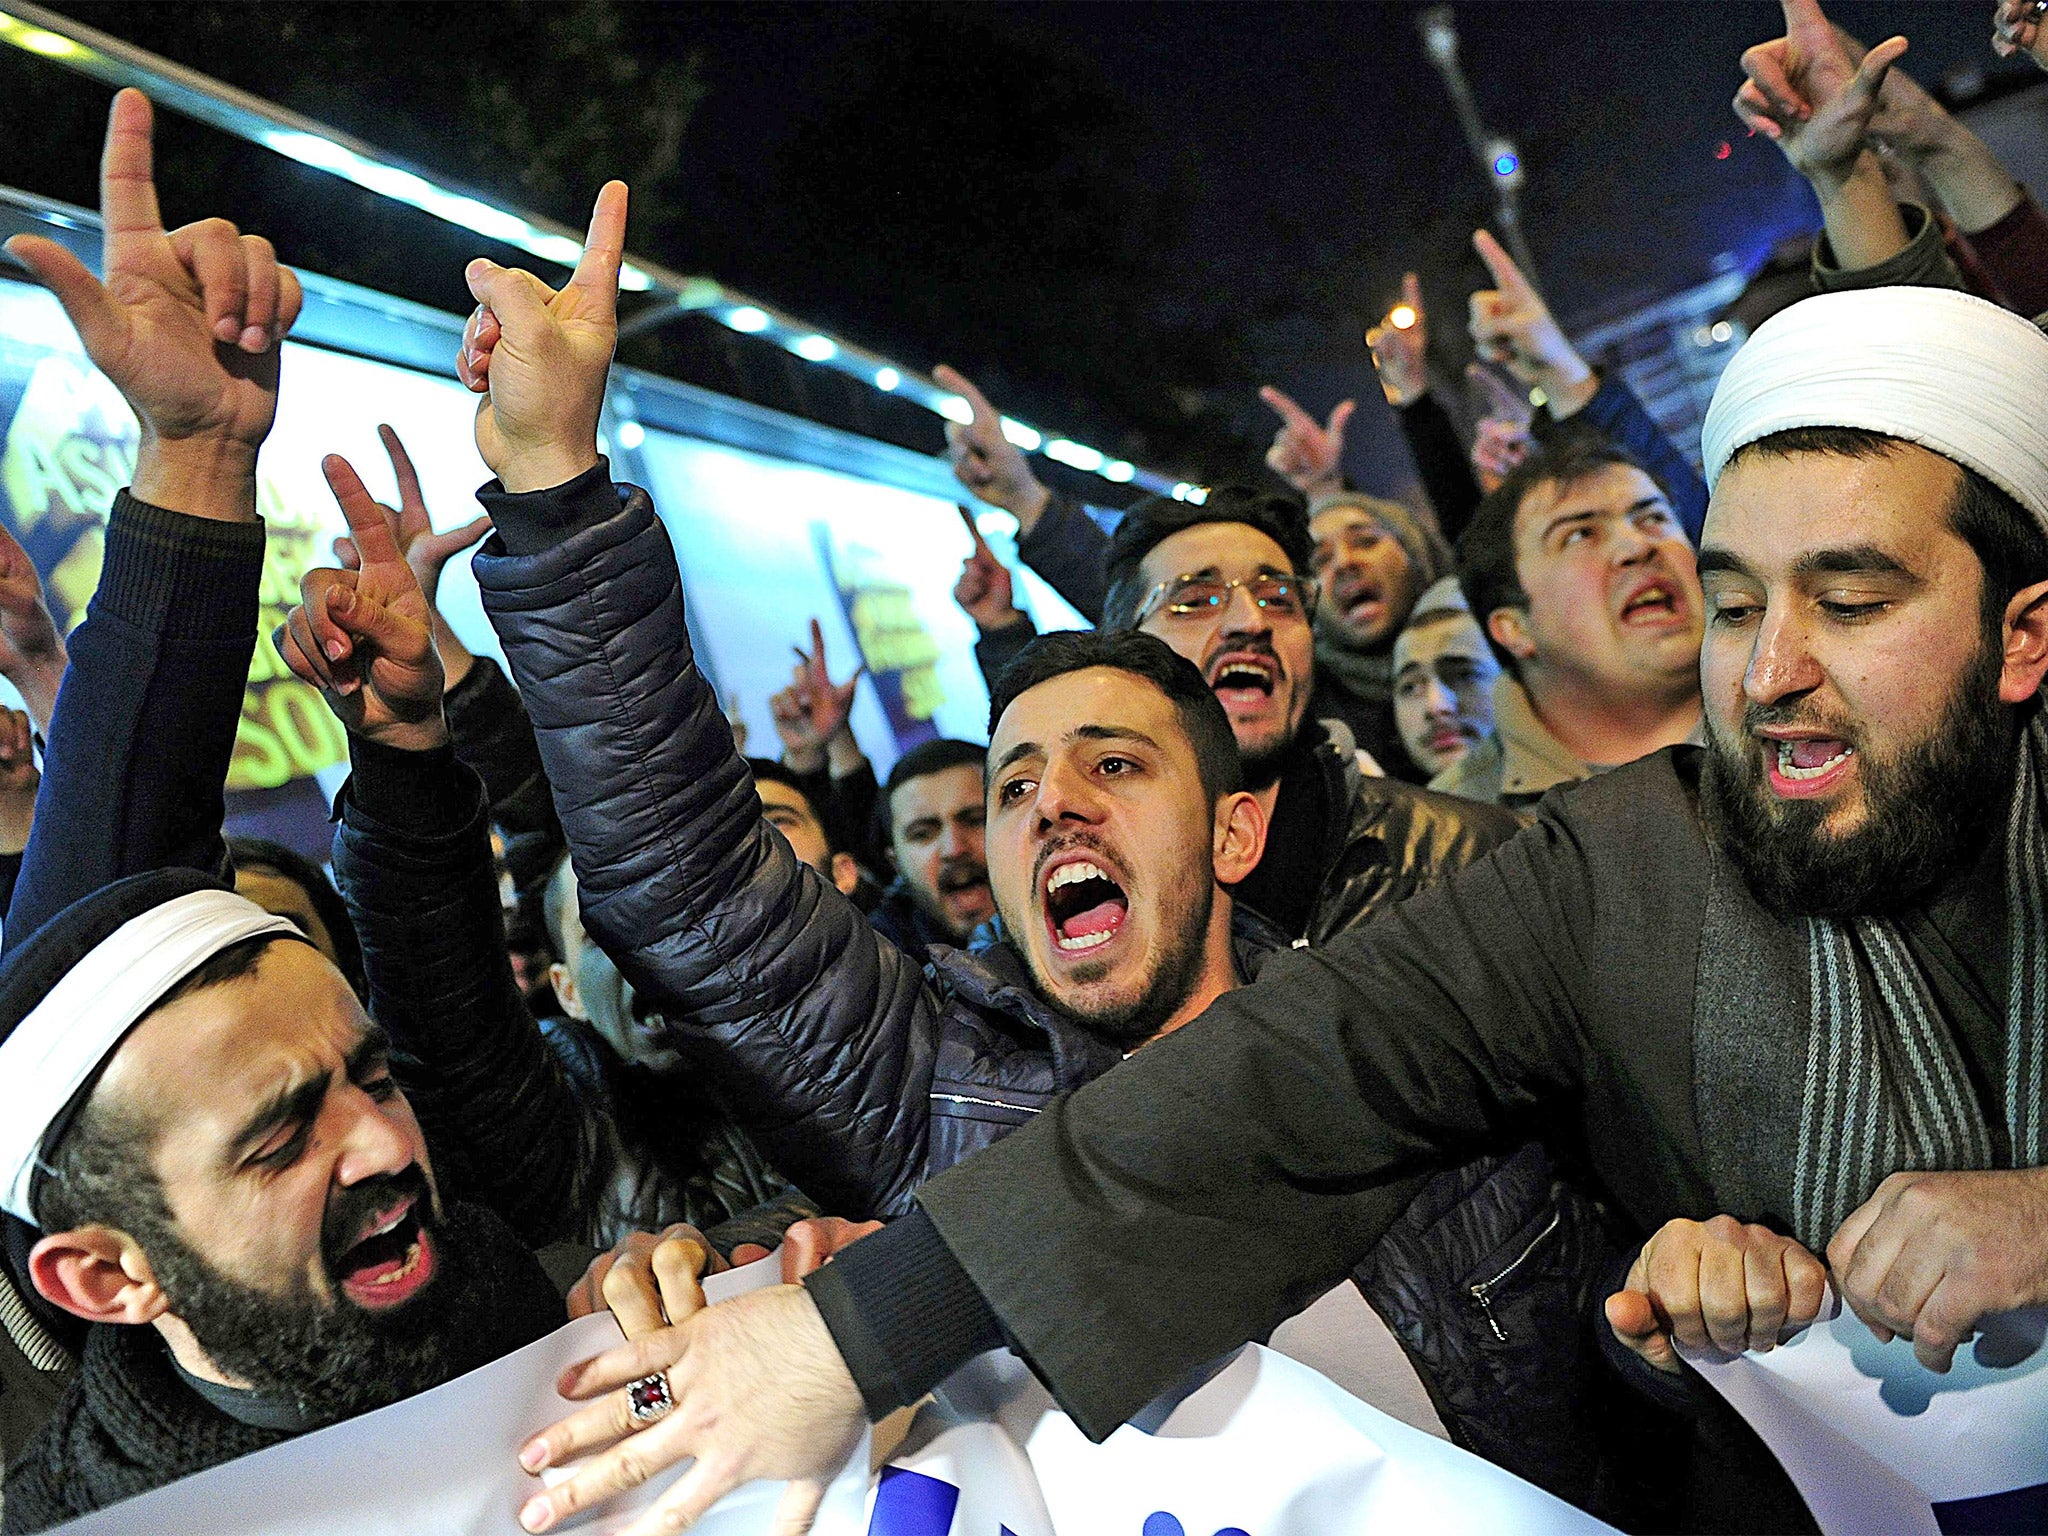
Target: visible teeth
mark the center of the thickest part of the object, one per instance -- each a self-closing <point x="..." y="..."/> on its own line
<point x="1074" y="874"/>
<point x="389" y="1226"/>
<point x="1088" y="941"/>
<point x="412" y="1261"/>
<point x="1787" y="768"/>
<point x="1255" y="675"/>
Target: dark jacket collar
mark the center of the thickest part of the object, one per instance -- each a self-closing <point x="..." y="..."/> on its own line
<point x="993" y="978"/>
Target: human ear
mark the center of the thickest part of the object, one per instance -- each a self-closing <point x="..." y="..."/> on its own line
<point x="845" y="873"/>
<point x="97" y="1273"/>
<point x="1510" y="630"/>
<point x="2026" y="644"/>
<point x="563" y="980"/>
<point x="1240" y="839"/>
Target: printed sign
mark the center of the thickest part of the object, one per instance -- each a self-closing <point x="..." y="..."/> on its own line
<point x="1265" y="1447"/>
<point x="1875" y="1441"/>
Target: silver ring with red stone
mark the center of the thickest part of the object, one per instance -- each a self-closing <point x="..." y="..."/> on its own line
<point x="648" y="1400"/>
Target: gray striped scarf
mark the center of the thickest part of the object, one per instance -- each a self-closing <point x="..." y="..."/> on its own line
<point x="1883" y="1086"/>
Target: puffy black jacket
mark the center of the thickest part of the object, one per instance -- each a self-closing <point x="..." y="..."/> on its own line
<point x="860" y="1074"/>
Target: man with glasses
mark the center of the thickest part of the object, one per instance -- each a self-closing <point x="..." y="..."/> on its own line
<point x="1222" y="584"/>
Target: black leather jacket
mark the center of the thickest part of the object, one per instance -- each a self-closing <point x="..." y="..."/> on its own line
<point x="1397" y="838"/>
<point x="861" y="1075"/>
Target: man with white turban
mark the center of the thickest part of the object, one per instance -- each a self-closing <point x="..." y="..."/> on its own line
<point x="1785" y="991"/>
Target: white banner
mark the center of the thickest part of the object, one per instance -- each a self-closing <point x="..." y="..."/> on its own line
<point x="1875" y="1441"/>
<point x="1265" y="1447"/>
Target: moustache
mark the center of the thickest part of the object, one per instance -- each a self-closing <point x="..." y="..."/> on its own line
<point x="349" y="1211"/>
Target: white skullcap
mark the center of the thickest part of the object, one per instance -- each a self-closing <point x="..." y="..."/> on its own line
<point x="87" y="1011"/>
<point x="1947" y="370"/>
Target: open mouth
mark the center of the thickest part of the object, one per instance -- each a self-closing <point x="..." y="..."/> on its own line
<point x="1449" y="738"/>
<point x="1361" y="605"/>
<point x="1084" y="908"/>
<point x="390" y="1263"/>
<point x="1244" y="680"/>
<point x="1656" y="602"/>
<point x="1807" y="766"/>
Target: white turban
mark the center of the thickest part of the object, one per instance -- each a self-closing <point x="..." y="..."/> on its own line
<point x="58" y="1047"/>
<point x="1949" y="371"/>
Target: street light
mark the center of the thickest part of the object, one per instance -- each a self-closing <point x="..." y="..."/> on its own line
<point x="1498" y="157"/>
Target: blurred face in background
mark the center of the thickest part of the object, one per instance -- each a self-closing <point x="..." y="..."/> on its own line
<point x="590" y="989"/>
<point x="1369" y="583"/>
<point x="1260" y="660"/>
<point x="1443" y="688"/>
<point x="936" y="824"/>
<point x="789" y="811"/>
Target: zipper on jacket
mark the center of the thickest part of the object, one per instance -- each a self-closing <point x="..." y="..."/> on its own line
<point x="1482" y="1292"/>
<point x="968" y="1098"/>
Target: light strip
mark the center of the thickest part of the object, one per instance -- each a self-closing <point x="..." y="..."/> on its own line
<point x="108" y="59"/>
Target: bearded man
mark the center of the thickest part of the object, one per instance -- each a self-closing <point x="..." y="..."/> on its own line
<point x="1762" y="1066"/>
<point x="213" y="1185"/>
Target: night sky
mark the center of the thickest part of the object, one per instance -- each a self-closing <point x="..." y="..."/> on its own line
<point x="1245" y="182"/>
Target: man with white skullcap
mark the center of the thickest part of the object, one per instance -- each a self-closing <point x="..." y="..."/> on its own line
<point x="1783" y="990"/>
<point x="213" y="1188"/>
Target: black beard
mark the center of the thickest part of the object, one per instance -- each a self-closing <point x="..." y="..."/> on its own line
<point x="1927" y="810"/>
<point x="1162" y="993"/>
<point x="333" y="1359"/>
<point x="1266" y="767"/>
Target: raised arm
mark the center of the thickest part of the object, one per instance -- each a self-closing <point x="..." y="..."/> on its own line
<point x="1815" y="100"/>
<point x="819" y="1033"/>
<point x="186" y="324"/>
<point x="1055" y="535"/>
<point x="1513" y="326"/>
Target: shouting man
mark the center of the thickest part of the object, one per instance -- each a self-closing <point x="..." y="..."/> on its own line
<point x="1857" y="1061"/>
<point x="212" y="1180"/>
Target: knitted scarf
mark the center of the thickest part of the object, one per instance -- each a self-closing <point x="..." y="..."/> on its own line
<point x="1822" y="1063"/>
<point x="1365" y="675"/>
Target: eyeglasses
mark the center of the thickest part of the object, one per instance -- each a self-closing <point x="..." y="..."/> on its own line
<point x="1202" y="595"/>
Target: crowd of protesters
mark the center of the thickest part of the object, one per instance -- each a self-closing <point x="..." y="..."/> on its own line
<point x="1587" y="909"/>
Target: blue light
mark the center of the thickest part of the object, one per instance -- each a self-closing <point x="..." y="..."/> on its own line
<point x="1505" y="165"/>
<point x="747" y="318"/>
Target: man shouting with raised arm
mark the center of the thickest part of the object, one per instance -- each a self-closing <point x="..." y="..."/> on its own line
<point x="213" y="1181"/>
<point x="1785" y="985"/>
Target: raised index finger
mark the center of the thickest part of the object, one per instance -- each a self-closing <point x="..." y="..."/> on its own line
<point x="973" y="530"/>
<point x="1289" y="412"/>
<point x="128" y="206"/>
<point x="1507" y="277"/>
<point x="604" y="247"/>
<point x="961" y="385"/>
<point x="367" y="524"/>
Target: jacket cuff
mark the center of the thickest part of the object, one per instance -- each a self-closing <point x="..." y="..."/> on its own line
<point x="1923" y="263"/>
<point x="476" y="700"/>
<point x="995" y="649"/>
<point x="188" y="579"/>
<point x="1598" y="411"/>
<point x="903" y="1313"/>
<point x="417" y="794"/>
<point x="533" y="522"/>
<point x="1049" y="534"/>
